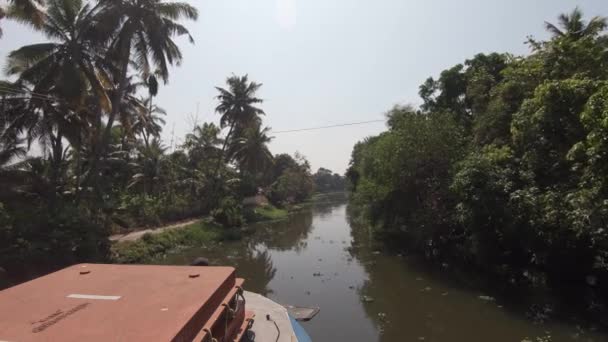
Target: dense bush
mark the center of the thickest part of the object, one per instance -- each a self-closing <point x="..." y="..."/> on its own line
<point x="229" y="213"/>
<point x="69" y="233"/>
<point x="327" y="181"/>
<point x="504" y="166"/>
<point x="152" y="246"/>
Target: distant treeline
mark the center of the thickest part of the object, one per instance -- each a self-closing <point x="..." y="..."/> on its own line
<point x="504" y="166"/>
<point x="327" y="181"/>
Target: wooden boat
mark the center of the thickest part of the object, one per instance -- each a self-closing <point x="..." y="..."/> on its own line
<point x="98" y="302"/>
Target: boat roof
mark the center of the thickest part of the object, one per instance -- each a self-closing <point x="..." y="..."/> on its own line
<point x="98" y="302"/>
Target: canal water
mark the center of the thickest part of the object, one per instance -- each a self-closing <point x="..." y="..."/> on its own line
<point x="316" y="259"/>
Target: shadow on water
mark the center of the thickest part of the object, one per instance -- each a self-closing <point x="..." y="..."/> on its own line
<point x="315" y="258"/>
<point x="415" y="300"/>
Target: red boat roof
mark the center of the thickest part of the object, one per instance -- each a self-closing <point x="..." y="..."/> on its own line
<point x="94" y="302"/>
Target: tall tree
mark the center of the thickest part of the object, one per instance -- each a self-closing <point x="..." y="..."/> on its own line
<point x="143" y="30"/>
<point x="24" y="10"/>
<point x="573" y="26"/>
<point x="72" y="63"/>
<point x="251" y="149"/>
<point x="237" y="108"/>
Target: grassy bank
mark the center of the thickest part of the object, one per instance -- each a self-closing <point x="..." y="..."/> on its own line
<point x="151" y="246"/>
<point x="265" y="213"/>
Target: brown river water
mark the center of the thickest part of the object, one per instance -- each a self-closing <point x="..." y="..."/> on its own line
<point x="316" y="259"/>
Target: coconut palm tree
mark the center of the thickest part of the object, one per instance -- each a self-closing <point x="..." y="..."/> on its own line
<point x="251" y="150"/>
<point x="143" y="31"/>
<point x="24" y="10"/>
<point x="2" y="15"/>
<point x="148" y="166"/>
<point x="237" y="107"/>
<point x="72" y="63"/>
<point x="573" y="26"/>
<point x="149" y="123"/>
<point x="203" y="142"/>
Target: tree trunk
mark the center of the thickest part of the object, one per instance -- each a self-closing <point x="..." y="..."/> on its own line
<point x="118" y="95"/>
<point x="220" y="160"/>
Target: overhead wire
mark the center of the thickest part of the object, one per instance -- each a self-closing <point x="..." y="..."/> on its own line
<point x="18" y="91"/>
<point x="10" y="87"/>
<point x="13" y="92"/>
<point x="45" y="97"/>
<point x="328" y="126"/>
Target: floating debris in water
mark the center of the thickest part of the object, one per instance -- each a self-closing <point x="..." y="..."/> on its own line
<point x="426" y="289"/>
<point x="320" y="259"/>
<point x="351" y="287"/>
<point x="444" y="294"/>
<point x="376" y="252"/>
<point x="421" y="338"/>
<point x="317" y="274"/>
<point x="419" y="279"/>
<point x="486" y="298"/>
<point x="382" y="315"/>
<point x="367" y="299"/>
<point x="307" y="293"/>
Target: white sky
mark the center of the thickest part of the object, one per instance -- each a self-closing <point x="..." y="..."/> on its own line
<point x="324" y="62"/>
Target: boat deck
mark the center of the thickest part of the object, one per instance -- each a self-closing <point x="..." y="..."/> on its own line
<point x="264" y="329"/>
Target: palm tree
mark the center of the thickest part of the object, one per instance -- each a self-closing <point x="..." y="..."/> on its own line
<point x="143" y="30"/>
<point x="149" y="123"/>
<point x="237" y="104"/>
<point x="573" y="26"/>
<point x="251" y="150"/>
<point x="237" y="107"/>
<point x="72" y="63"/>
<point x="2" y="15"/>
<point x="24" y="10"/>
<point x="203" y="142"/>
<point x="148" y="166"/>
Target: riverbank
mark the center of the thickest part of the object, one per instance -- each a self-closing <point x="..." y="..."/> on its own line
<point x="318" y="258"/>
<point x="147" y="245"/>
<point x="529" y="295"/>
<point x="153" y="245"/>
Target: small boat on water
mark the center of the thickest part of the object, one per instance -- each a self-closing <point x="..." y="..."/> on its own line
<point x="99" y="302"/>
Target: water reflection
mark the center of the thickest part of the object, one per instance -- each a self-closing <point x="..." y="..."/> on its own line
<point x="316" y="259"/>
<point x="409" y="301"/>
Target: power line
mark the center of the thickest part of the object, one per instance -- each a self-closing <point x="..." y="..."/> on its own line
<point x="25" y="95"/>
<point x="329" y="126"/>
<point x="17" y="91"/>
<point x="13" y="88"/>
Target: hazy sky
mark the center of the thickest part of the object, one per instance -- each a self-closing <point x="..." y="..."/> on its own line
<point x="326" y="62"/>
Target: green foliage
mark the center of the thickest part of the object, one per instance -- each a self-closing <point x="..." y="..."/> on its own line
<point x="44" y="237"/>
<point x="504" y="167"/>
<point x="152" y="246"/>
<point x="403" y="174"/>
<point x="291" y="187"/>
<point x="229" y="213"/>
<point x="265" y="213"/>
<point x="327" y="181"/>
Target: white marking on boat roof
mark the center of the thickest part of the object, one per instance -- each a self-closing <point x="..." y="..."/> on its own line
<point x="88" y="296"/>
